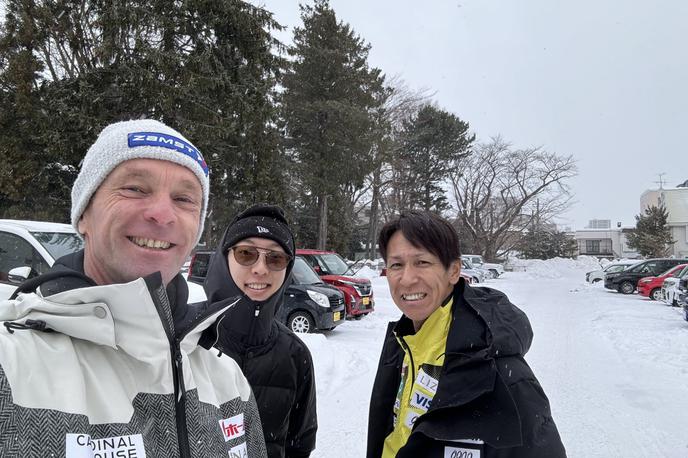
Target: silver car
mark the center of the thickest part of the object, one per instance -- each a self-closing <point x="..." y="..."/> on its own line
<point x="670" y="290"/>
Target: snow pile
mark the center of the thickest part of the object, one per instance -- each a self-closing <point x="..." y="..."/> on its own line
<point x="366" y="272"/>
<point x="555" y="267"/>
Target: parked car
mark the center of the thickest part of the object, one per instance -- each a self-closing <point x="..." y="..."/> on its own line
<point x="477" y="275"/>
<point x="358" y="291"/>
<point x="598" y="275"/>
<point x="495" y="269"/>
<point x="652" y="286"/>
<point x="30" y="248"/>
<point x="309" y="304"/>
<point x="671" y="294"/>
<point x="626" y="281"/>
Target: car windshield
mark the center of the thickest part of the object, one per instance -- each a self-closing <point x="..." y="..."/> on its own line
<point x="615" y="268"/>
<point x="59" y="244"/>
<point x="683" y="272"/>
<point x="303" y="274"/>
<point x="334" y="264"/>
<point x="668" y="271"/>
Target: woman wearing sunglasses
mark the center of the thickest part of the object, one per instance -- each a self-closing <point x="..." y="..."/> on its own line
<point x="252" y="264"/>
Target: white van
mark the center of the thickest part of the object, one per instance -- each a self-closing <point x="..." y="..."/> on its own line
<point x="29" y="248"/>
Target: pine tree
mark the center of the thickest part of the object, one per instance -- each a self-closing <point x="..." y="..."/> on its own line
<point x="208" y="69"/>
<point x="652" y="235"/>
<point x="329" y="100"/>
<point x="433" y="141"/>
<point x="546" y="244"/>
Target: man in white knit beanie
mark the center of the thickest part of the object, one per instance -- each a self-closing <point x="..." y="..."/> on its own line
<point x="139" y="201"/>
<point x="101" y="353"/>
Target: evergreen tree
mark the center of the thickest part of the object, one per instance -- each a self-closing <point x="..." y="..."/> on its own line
<point x="68" y="69"/>
<point x="329" y="100"/>
<point x="652" y="235"/>
<point x="539" y="243"/>
<point x="433" y="141"/>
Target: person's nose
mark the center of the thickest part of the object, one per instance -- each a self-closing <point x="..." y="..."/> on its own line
<point x="161" y="210"/>
<point x="407" y="276"/>
<point x="260" y="267"/>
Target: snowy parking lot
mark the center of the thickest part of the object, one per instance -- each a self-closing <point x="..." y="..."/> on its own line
<point x="615" y="367"/>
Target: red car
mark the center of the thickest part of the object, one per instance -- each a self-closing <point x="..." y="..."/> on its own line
<point x="652" y="286"/>
<point x="358" y="292"/>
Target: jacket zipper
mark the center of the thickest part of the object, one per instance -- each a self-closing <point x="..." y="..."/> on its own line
<point x="413" y="366"/>
<point x="177" y="371"/>
<point x="178" y="374"/>
<point x="180" y="400"/>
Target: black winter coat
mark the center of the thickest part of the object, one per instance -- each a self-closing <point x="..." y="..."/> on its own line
<point x="276" y="363"/>
<point x="486" y="389"/>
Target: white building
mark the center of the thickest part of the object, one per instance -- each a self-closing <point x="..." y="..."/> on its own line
<point x="604" y="243"/>
<point x="675" y="200"/>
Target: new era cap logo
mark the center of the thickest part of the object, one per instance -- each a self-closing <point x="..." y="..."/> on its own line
<point x="262" y="230"/>
<point x="161" y="140"/>
<point x="232" y="427"/>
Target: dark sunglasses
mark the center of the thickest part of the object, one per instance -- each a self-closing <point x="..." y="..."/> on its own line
<point x="247" y="255"/>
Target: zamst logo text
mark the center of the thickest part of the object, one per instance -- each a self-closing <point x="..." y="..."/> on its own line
<point x="160" y="140"/>
<point x="232" y="427"/>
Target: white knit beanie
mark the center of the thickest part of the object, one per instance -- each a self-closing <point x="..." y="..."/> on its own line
<point x="139" y="139"/>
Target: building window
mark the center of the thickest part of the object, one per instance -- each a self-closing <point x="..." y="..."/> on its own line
<point x="592" y="246"/>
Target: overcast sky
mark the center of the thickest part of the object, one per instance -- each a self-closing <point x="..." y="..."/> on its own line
<point x="605" y="81"/>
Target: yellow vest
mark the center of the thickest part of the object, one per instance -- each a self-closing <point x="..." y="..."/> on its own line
<point x="423" y="361"/>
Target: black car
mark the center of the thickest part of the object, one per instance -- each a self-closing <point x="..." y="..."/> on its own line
<point x="309" y="304"/>
<point x="626" y="281"/>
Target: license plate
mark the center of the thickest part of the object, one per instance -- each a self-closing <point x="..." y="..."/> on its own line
<point x="337" y="315"/>
<point x="365" y="301"/>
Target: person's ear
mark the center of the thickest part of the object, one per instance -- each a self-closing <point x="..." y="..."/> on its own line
<point x="455" y="272"/>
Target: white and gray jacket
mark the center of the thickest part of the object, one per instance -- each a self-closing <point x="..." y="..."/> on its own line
<point x="98" y="372"/>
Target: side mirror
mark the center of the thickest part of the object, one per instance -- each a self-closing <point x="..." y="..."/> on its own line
<point x="18" y="274"/>
<point x="317" y="269"/>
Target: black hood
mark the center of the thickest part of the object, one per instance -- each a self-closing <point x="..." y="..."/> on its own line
<point x="249" y="322"/>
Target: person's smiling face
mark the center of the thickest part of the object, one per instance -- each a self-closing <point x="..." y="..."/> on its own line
<point x="417" y="279"/>
<point x="143" y="218"/>
<point x="256" y="281"/>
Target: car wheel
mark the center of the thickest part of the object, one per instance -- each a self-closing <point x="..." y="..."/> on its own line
<point x="301" y="322"/>
<point x="685" y="309"/>
<point x="656" y="294"/>
<point x="494" y="273"/>
<point x="476" y="280"/>
<point x="596" y="280"/>
<point x="626" y="287"/>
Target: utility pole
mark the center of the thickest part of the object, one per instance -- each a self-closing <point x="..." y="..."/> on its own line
<point x="661" y="181"/>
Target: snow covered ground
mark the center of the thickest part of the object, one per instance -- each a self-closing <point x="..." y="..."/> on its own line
<point x="615" y="367"/>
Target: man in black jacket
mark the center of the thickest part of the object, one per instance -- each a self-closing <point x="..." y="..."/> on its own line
<point x="253" y="264"/>
<point x="452" y="380"/>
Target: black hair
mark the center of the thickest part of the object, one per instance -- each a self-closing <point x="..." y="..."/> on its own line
<point x="423" y="230"/>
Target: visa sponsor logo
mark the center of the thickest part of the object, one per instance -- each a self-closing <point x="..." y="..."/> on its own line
<point x="239" y="451"/>
<point x="83" y="446"/>
<point x="161" y="140"/>
<point x="426" y="381"/>
<point x="232" y="427"/>
<point x="420" y="401"/>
